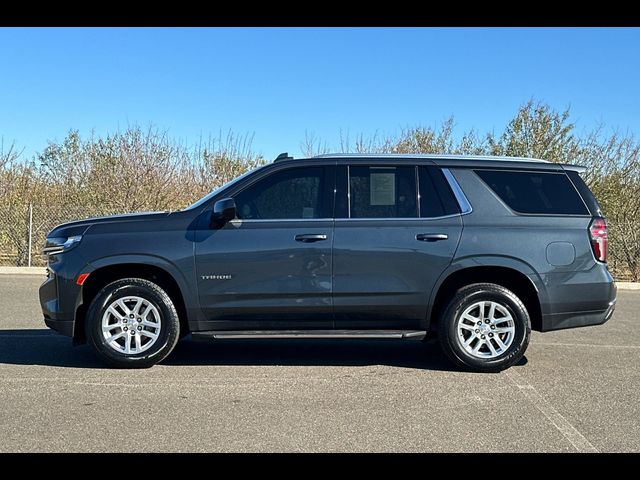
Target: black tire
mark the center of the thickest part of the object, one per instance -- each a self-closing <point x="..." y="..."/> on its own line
<point x="451" y="341"/>
<point x="156" y="296"/>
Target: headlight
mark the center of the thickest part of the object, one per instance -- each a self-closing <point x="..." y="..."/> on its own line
<point x="56" y="245"/>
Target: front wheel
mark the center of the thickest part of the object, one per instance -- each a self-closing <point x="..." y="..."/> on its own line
<point x="132" y="323"/>
<point x="485" y="328"/>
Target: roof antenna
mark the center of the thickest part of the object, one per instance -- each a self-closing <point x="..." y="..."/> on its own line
<point x="283" y="156"/>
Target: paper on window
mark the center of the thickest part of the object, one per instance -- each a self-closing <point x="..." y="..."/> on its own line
<point x="383" y="189"/>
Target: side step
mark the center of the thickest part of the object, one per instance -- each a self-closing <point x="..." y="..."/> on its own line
<point x="311" y="334"/>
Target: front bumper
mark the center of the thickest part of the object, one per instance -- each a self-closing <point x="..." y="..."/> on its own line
<point x="60" y="326"/>
<point x="59" y="310"/>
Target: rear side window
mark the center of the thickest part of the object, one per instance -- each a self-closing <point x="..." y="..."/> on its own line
<point x="383" y="192"/>
<point x="436" y="198"/>
<point x="535" y="192"/>
<point x="586" y="194"/>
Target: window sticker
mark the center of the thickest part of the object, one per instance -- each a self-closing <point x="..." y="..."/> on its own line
<point x="383" y="189"/>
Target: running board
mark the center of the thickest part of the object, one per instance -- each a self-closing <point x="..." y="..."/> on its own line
<point x="312" y="334"/>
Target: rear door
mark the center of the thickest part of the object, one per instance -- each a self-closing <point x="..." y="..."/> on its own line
<point x="397" y="228"/>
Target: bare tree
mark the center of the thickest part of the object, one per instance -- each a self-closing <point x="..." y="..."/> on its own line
<point x="145" y="169"/>
<point x="312" y="146"/>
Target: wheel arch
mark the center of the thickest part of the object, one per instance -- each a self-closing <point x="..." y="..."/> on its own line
<point x="107" y="270"/>
<point x="512" y="274"/>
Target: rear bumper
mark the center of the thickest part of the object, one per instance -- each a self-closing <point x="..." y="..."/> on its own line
<point x="560" y="321"/>
<point x="605" y="297"/>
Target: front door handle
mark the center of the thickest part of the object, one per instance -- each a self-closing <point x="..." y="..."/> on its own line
<point x="431" y="237"/>
<point x="311" y="237"/>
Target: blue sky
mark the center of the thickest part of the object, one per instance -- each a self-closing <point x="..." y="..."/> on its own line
<point x="279" y="83"/>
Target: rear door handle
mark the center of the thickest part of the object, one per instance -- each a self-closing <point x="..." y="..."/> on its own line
<point x="311" y="237"/>
<point x="431" y="237"/>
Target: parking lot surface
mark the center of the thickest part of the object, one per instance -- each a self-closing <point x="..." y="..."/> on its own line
<point x="576" y="390"/>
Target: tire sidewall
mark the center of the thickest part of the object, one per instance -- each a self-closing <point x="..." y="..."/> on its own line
<point x="520" y="318"/>
<point x="168" y="318"/>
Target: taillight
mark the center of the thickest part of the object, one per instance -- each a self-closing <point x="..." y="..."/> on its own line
<point x="599" y="241"/>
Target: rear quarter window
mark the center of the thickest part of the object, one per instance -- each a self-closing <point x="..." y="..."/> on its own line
<point x="436" y="198"/>
<point x="535" y="192"/>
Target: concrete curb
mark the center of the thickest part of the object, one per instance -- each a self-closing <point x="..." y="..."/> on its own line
<point x="42" y="271"/>
<point x="22" y="271"/>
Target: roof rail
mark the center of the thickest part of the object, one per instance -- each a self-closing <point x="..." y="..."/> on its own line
<point x="431" y="156"/>
<point x="283" y="156"/>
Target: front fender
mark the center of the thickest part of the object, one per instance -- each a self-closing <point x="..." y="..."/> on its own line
<point x="183" y="276"/>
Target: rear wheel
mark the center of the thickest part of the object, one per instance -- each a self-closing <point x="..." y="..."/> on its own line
<point x="132" y="323"/>
<point x="485" y="328"/>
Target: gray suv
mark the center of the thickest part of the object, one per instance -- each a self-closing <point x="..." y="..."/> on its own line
<point x="474" y="250"/>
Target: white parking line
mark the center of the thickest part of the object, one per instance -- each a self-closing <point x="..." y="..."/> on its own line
<point x="30" y="335"/>
<point x="579" y="442"/>
<point x="590" y="345"/>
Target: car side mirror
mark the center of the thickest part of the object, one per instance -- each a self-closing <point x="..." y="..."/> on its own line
<point x="223" y="211"/>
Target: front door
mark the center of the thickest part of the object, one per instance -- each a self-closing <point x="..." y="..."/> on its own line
<point x="271" y="268"/>
<point x="399" y="230"/>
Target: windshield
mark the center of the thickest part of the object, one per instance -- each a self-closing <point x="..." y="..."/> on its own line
<point x="207" y="197"/>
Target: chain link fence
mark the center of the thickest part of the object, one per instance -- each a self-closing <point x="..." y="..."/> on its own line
<point x="23" y="229"/>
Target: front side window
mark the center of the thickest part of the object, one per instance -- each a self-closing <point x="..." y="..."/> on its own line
<point x="382" y="192"/>
<point x="295" y="193"/>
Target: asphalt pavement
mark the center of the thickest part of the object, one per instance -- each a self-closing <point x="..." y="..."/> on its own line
<point x="576" y="390"/>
